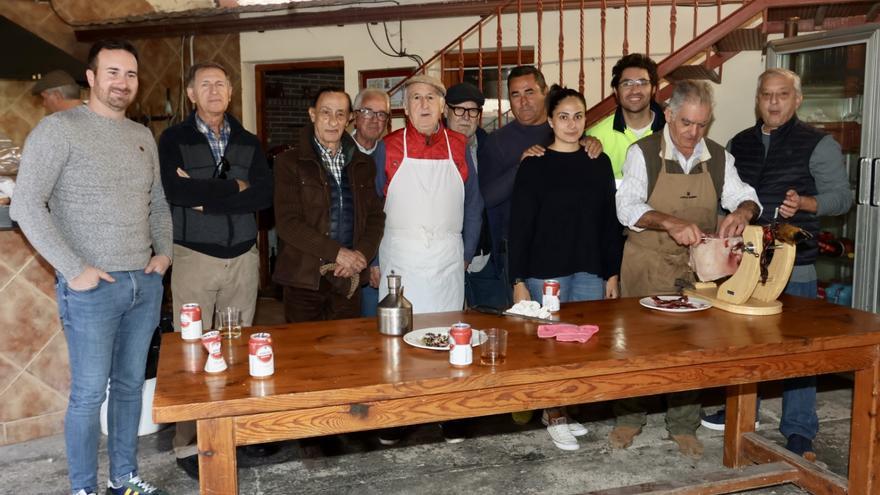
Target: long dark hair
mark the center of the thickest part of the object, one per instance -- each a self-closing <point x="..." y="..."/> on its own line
<point x="558" y="93"/>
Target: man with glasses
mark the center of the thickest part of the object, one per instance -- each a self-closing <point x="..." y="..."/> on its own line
<point x="372" y="109"/>
<point x="634" y="81"/>
<point x="372" y="112"/>
<point x="216" y="178"/>
<point x="464" y="111"/>
<point x="673" y="184"/>
<point x="328" y="216"/>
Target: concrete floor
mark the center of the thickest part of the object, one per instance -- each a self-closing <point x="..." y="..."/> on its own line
<point x="497" y="458"/>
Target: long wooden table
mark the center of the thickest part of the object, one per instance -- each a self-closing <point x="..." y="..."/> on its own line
<point x="343" y="376"/>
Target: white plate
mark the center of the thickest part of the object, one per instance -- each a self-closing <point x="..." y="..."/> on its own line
<point x="700" y="304"/>
<point x="414" y="338"/>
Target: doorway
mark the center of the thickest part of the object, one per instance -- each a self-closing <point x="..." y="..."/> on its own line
<point x="283" y="94"/>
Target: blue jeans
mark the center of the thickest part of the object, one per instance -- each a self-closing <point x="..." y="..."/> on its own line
<point x="487" y="287"/>
<point x="369" y="300"/>
<point x="108" y="331"/>
<point x="581" y="286"/>
<point x="799" y="394"/>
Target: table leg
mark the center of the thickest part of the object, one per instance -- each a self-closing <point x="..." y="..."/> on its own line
<point x="218" y="473"/>
<point x="739" y="419"/>
<point x="864" y="446"/>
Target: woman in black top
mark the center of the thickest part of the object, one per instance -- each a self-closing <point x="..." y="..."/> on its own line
<point x="563" y="221"/>
<point x="563" y="226"/>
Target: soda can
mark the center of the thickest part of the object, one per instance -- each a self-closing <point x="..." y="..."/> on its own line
<point x="550" y="299"/>
<point x="460" y="351"/>
<point x="261" y="358"/>
<point x="191" y="321"/>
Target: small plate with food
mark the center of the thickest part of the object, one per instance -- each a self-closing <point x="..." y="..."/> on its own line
<point x="675" y="303"/>
<point x="437" y="338"/>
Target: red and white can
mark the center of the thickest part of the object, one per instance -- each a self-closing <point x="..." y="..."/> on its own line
<point x="550" y="299"/>
<point x="460" y="351"/>
<point x="261" y="358"/>
<point x="191" y="321"/>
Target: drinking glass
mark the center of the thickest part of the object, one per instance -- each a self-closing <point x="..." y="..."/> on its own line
<point x="228" y="322"/>
<point x="494" y="350"/>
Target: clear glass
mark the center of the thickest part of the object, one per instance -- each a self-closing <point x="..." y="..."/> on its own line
<point x="228" y="322"/>
<point x="494" y="350"/>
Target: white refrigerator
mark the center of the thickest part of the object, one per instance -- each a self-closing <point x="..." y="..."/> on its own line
<point x="840" y="73"/>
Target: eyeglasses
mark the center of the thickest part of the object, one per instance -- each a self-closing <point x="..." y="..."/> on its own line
<point x="460" y="111"/>
<point x="370" y="114"/>
<point x="222" y="167"/>
<point x="629" y="83"/>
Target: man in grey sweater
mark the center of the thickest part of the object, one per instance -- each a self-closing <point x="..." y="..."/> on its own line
<point x="89" y="199"/>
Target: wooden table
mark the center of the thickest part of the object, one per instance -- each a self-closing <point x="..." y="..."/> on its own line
<point x="343" y="376"/>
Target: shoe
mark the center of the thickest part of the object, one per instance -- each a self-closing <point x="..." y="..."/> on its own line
<point x="716" y="421"/>
<point x="190" y="465"/>
<point x="801" y="446"/>
<point x="561" y="435"/>
<point x="261" y="449"/>
<point x="522" y="417"/>
<point x="390" y="436"/>
<point x="453" y="431"/>
<point x="689" y="445"/>
<point x="574" y="427"/>
<point x="84" y="492"/>
<point x="135" y="486"/>
<point x="622" y="436"/>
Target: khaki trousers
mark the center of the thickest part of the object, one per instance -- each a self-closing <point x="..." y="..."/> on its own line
<point x="211" y="282"/>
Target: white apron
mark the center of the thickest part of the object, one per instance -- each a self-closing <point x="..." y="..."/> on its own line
<point x="424" y="213"/>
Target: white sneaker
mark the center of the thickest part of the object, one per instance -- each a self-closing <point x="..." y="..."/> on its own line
<point x="83" y="492"/>
<point x="561" y="435"/>
<point x="574" y="427"/>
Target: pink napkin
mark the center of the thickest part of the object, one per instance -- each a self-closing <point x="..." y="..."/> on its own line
<point x="566" y="332"/>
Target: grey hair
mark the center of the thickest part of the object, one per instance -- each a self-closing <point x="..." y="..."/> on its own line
<point x="368" y="92"/>
<point x="777" y="71"/>
<point x="692" y="91"/>
<point x="68" y="91"/>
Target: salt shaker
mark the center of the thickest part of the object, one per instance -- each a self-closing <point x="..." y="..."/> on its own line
<point x="460" y="351"/>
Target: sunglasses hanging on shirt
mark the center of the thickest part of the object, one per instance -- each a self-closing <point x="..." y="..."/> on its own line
<point x="222" y="168"/>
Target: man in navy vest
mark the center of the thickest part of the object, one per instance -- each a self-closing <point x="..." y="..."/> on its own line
<point x="799" y="170"/>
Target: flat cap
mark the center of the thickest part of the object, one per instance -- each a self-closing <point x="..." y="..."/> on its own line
<point x="53" y="79"/>
<point x="463" y="92"/>
<point x="429" y="80"/>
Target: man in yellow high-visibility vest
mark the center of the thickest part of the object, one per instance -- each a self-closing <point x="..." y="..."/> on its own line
<point x="634" y="80"/>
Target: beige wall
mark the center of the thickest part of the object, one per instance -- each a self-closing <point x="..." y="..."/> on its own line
<point x="352" y="44"/>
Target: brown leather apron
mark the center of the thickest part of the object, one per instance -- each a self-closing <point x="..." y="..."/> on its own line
<point x="652" y="260"/>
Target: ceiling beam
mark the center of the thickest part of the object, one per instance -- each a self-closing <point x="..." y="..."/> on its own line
<point x="233" y="23"/>
<point x="872" y="14"/>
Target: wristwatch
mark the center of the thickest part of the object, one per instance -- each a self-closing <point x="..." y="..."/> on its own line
<point x="517" y="281"/>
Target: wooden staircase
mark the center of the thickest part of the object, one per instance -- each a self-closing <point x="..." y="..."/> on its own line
<point x="744" y="29"/>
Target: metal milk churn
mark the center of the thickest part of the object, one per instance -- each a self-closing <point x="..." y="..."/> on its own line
<point x="394" y="311"/>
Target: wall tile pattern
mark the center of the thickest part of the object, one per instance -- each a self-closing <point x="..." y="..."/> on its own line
<point x="34" y="376"/>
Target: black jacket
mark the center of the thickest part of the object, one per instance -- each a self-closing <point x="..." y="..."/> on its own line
<point x="227" y="226"/>
<point x="772" y="172"/>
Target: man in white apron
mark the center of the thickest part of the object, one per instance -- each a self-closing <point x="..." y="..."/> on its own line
<point x="672" y="185"/>
<point x="433" y="211"/>
<point x="432" y="203"/>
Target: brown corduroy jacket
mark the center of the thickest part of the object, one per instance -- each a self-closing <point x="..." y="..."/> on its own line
<point x="302" y="212"/>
